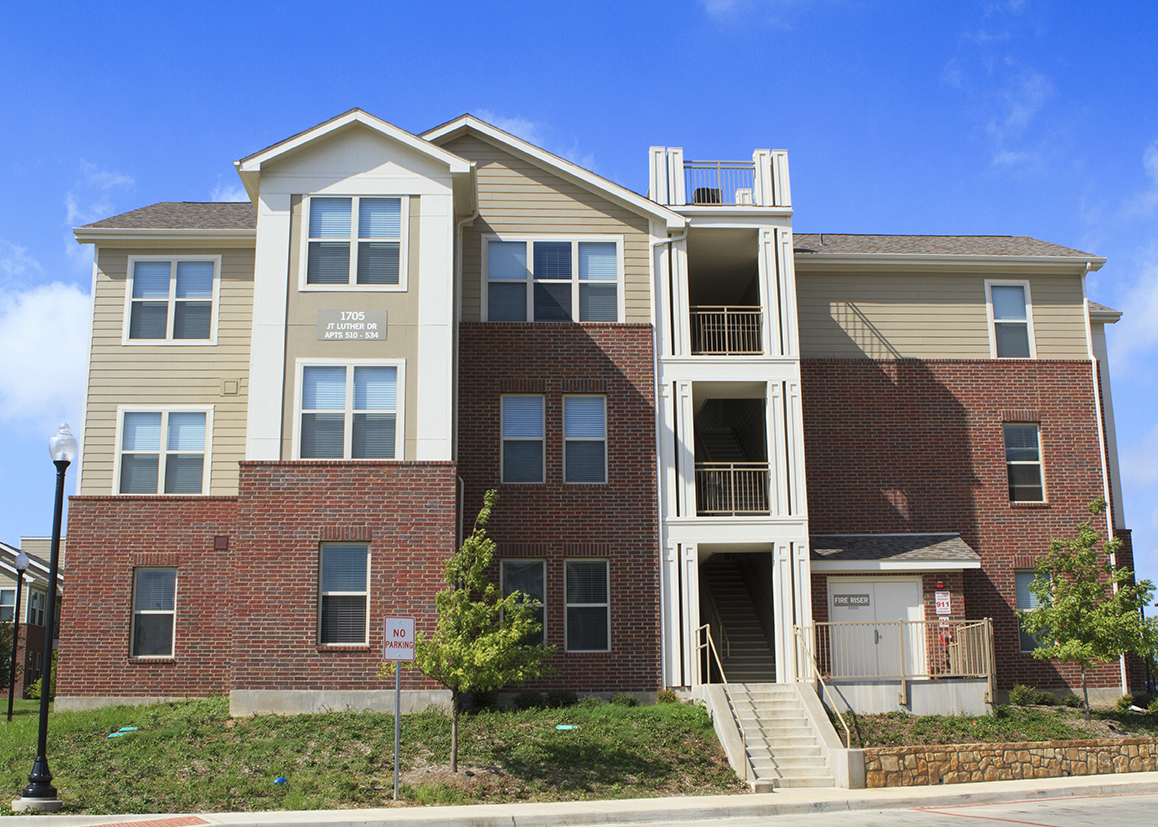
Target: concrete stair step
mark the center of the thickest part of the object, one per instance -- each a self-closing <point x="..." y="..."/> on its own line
<point x="803" y="783"/>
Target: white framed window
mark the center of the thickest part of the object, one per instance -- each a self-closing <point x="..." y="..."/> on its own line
<point x="588" y="605"/>
<point x="560" y="279"/>
<point x="344" y="576"/>
<point x="37" y="600"/>
<point x="1010" y="314"/>
<point x="349" y="409"/>
<point x="585" y="439"/>
<point x="530" y="578"/>
<point x="1026" y="602"/>
<point x="172" y="300"/>
<point x="7" y="605"/>
<point x="163" y="451"/>
<point x="1023" y="462"/>
<point x="154" y="612"/>
<point x="523" y="456"/>
<point x="354" y="242"/>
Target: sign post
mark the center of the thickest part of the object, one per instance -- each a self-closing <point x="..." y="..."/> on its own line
<point x="397" y="645"/>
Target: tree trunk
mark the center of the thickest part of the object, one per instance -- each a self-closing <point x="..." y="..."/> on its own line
<point x="454" y="732"/>
<point x="1086" y="693"/>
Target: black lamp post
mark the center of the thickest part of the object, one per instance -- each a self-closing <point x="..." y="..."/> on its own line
<point x="21" y="567"/>
<point x="40" y="794"/>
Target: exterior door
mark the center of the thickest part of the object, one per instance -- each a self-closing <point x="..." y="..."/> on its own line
<point x="866" y="641"/>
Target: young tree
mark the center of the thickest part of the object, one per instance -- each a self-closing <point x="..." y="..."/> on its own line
<point x="478" y="645"/>
<point x="1088" y="608"/>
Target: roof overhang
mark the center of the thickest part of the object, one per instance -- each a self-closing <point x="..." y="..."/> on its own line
<point x="891" y="553"/>
<point x="1100" y="314"/>
<point x="910" y="261"/>
<point x="468" y="124"/>
<point x="154" y="236"/>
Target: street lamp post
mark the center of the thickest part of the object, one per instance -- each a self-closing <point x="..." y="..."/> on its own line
<point x="21" y="567"/>
<point x="40" y="794"/>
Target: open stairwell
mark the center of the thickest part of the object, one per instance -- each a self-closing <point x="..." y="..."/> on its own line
<point x="782" y="749"/>
<point x="748" y="656"/>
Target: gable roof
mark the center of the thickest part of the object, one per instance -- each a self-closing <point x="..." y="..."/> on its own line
<point x="469" y="124"/>
<point x="922" y="552"/>
<point x="183" y="215"/>
<point x="1020" y="249"/>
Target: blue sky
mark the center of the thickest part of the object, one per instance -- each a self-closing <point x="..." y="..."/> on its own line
<point x="1020" y="118"/>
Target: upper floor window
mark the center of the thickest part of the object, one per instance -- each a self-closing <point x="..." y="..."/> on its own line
<point x="585" y="439"/>
<point x="163" y="451"/>
<point x="1023" y="463"/>
<point x="172" y="301"/>
<point x="37" y="600"/>
<point x="7" y="605"/>
<point x="355" y="241"/>
<point x="523" y="456"/>
<point x="349" y="410"/>
<point x="549" y="280"/>
<point x="1010" y="320"/>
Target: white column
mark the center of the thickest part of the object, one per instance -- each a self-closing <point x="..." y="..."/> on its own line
<point x="685" y="446"/>
<point x="433" y="411"/>
<point x="670" y="583"/>
<point x="779" y="496"/>
<point x="680" y="306"/>
<point x="267" y="342"/>
<point x="782" y="611"/>
<point x="769" y="294"/>
<point x="690" y="602"/>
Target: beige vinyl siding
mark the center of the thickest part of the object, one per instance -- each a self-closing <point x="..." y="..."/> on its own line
<point x="927" y="315"/>
<point x="165" y="375"/>
<point x="518" y="197"/>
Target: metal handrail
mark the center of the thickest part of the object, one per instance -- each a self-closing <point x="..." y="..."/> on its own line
<point x="731" y="330"/>
<point x="731" y="488"/>
<point x="714" y="617"/>
<point x="820" y="679"/>
<point x="720" y="183"/>
<point x="705" y="631"/>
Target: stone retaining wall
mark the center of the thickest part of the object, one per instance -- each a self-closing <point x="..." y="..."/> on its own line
<point x="962" y="763"/>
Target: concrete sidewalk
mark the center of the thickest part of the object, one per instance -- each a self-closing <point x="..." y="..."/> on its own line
<point x="634" y="811"/>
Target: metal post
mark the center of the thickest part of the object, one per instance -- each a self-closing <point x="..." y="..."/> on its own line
<point x="397" y="720"/>
<point x="15" y="641"/>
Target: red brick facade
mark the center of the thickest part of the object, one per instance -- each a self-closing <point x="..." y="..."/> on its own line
<point x="917" y="446"/>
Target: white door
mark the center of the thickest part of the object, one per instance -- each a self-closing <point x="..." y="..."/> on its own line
<point x="868" y="642"/>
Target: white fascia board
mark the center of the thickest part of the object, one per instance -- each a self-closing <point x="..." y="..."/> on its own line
<point x="1103" y="316"/>
<point x="252" y="163"/>
<point x="560" y="166"/>
<point x="724" y="530"/>
<point x="750" y="216"/>
<point x="883" y="261"/>
<point x="132" y="236"/>
<point x="915" y="566"/>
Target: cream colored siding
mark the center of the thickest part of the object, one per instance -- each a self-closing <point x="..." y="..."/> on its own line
<point x="518" y="197"/>
<point x="926" y="315"/>
<point x="165" y="375"/>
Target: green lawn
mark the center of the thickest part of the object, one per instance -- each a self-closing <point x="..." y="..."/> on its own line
<point x="192" y="757"/>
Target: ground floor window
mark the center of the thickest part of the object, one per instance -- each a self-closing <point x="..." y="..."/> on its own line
<point x="154" y="612"/>
<point x="7" y="605"/>
<point x="588" y="615"/>
<point x="343" y="617"/>
<point x="1026" y="602"/>
<point x="528" y="577"/>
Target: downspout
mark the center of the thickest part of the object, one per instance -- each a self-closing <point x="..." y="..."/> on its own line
<point x="1106" y="494"/>
<point x="657" y="338"/>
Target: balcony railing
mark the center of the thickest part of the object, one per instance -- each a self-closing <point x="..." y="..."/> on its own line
<point x="724" y="330"/>
<point x="729" y="489"/>
<point x="719" y="183"/>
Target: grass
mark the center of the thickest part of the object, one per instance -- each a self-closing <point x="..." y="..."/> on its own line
<point x="192" y="757"/>
<point x="1008" y="724"/>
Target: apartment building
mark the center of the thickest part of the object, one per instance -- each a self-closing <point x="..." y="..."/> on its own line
<point x="295" y="405"/>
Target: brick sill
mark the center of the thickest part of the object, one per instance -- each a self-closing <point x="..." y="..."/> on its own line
<point x="337" y="648"/>
<point x="1043" y="504"/>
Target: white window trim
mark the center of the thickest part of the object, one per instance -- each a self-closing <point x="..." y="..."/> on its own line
<point x="566" y="439"/>
<point x="364" y="594"/>
<point x="133" y="620"/>
<point x="620" y="299"/>
<point x="12" y="605"/>
<point x="1040" y="462"/>
<point x="206" y="472"/>
<point x="1020" y="631"/>
<point x="989" y="285"/>
<point x="348" y="423"/>
<point x="567" y="605"/>
<point x="542" y="568"/>
<point x="403" y="246"/>
<point x="503" y="439"/>
<point x="32" y="606"/>
<point x="169" y="341"/>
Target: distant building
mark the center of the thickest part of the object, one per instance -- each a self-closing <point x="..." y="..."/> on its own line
<point x="33" y="604"/>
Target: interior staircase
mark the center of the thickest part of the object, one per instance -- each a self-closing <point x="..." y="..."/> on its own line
<point x="748" y="656"/>
<point x="781" y="746"/>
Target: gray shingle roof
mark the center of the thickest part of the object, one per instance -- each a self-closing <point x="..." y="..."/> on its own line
<point x="930" y="245"/>
<point x="183" y="215"/>
<point x="1101" y="308"/>
<point x="895" y="548"/>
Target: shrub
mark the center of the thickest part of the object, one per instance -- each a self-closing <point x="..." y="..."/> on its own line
<point x="528" y="699"/>
<point x="33" y="690"/>
<point x="484" y="700"/>
<point x="1021" y="695"/>
<point x="1124" y="703"/>
<point x="624" y="699"/>
<point x="1153" y="708"/>
<point x="1043" y="698"/>
<point x="667" y="696"/>
<point x="590" y="701"/>
<point x="559" y="698"/>
<point x="1073" y="701"/>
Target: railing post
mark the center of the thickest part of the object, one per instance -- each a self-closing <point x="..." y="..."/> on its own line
<point x="904" y="672"/>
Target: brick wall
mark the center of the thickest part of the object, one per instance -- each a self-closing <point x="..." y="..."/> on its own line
<point x="107" y="538"/>
<point x="555" y="521"/>
<point x="917" y="446"/>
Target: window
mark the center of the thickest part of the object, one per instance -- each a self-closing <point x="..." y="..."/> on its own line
<point x="552" y="281"/>
<point x="342" y="614"/>
<point x="1026" y="602"/>
<point x="7" y="605"/>
<point x="522" y="447"/>
<point x="529" y="578"/>
<point x="585" y="439"/>
<point x="154" y="612"/>
<point x="1010" y="320"/>
<point x="355" y="242"/>
<point x="171" y="300"/>
<point x="163" y="452"/>
<point x="1023" y="463"/>
<point x="37" y="600"/>
<point x="588" y="606"/>
<point x="349" y="411"/>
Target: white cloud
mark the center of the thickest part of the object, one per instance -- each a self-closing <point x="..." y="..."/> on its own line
<point x="44" y="339"/>
<point x="15" y="261"/>
<point x="774" y="12"/>
<point x="1146" y="201"/>
<point x="229" y="192"/>
<point x="518" y="126"/>
<point x="1132" y="342"/>
<point x="1140" y="462"/>
<point x="90" y="198"/>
